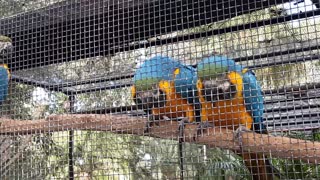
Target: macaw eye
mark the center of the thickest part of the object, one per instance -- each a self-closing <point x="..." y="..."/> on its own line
<point x="162" y="95"/>
<point x="4" y="51"/>
<point x="155" y="93"/>
<point x="150" y="99"/>
<point x="158" y="94"/>
<point x="138" y="101"/>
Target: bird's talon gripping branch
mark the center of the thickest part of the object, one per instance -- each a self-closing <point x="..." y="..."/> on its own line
<point x="150" y="123"/>
<point x="182" y="124"/>
<point x="203" y="126"/>
<point x="238" y="134"/>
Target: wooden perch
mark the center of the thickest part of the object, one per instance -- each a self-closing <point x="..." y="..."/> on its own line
<point x="281" y="147"/>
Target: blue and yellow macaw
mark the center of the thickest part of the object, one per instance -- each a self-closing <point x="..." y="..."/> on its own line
<point x="230" y="96"/>
<point x="4" y="82"/>
<point x="5" y="48"/>
<point x="165" y="88"/>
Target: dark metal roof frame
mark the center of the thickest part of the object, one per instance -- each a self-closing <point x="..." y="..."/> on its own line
<point x="83" y="29"/>
<point x="59" y="87"/>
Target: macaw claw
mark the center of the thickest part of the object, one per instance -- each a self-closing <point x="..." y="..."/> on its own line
<point x="182" y="124"/>
<point x="152" y="120"/>
<point x="238" y="134"/>
<point x="202" y="126"/>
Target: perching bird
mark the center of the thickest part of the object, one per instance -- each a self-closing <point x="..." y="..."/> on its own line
<point x="166" y="89"/>
<point x="230" y="96"/>
<point x="4" y="82"/>
<point x="5" y="48"/>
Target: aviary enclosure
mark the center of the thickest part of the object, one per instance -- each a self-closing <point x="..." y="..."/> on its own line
<point x="116" y="89"/>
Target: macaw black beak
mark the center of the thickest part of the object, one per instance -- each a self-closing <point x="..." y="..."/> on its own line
<point x="148" y="102"/>
<point x="150" y="99"/>
<point x="218" y="89"/>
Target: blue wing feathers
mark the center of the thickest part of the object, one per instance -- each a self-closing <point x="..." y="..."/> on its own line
<point x="185" y="84"/>
<point x="4" y="83"/>
<point x="253" y="98"/>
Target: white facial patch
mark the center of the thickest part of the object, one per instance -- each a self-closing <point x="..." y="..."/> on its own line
<point x="224" y="86"/>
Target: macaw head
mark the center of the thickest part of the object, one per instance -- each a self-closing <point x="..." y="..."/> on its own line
<point x="147" y="94"/>
<point x="5" y="45"/>
<point x="5" y="48"/>
<point x="214" y="82"/>
<point x="152" y="82"/>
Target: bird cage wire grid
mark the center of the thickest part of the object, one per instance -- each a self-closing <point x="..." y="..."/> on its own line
<point x="107" y="89"/>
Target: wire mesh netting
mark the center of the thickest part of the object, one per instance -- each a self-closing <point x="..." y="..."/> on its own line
<point x="159" y="89"/>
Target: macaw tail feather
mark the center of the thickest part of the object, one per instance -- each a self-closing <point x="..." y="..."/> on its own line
<point x="260" y="167"/>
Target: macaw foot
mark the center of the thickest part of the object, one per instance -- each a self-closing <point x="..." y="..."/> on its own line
<point x="182" y="124"/>
<point x="202" y="126"/>
<point x="238" y="134"/>
<point x="147" y="127"/>
<point x="152" y="120"/>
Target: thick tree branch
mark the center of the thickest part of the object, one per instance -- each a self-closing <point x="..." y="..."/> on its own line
<point x="282" y="147"/>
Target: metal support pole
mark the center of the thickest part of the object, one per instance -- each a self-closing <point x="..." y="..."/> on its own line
<point x="71" y="141"/>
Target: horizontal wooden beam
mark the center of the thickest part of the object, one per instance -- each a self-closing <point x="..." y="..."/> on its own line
<point x="281" y="147"/>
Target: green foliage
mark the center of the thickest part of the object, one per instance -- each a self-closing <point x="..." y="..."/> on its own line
<point x="31" y="157"/>
<point x="318" y="63"/>
<point x="296" y="169"/>
<point x="16" y="106"/>
<point x="223" y="164"/>
<point x="316" y="135"/>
